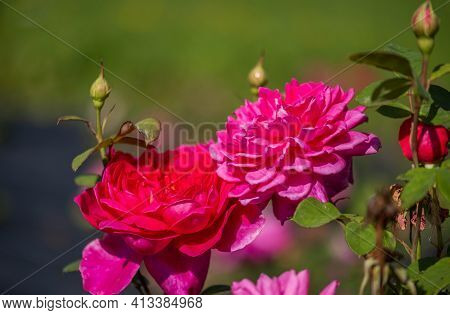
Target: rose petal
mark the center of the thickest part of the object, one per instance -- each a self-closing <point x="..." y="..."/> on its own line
<point x="108" y="265"/>
<point x="283" y="208"/>
<point x="244" y="287"/>
<point x="330" y="289"/>
<point x="177" y="273"/>
<point x="243" y="226"/>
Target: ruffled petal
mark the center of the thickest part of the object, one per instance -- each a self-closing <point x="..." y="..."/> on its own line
<point x="243" y="226"/>
<point x="108" y="265"/>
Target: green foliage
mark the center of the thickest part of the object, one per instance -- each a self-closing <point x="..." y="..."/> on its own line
<point x="440" y="71"/>
<point x="77" y="119"/>
<point x="383" y="92"/>
<point x="443" y="187"/>
<point x="312" y="213"/>
<point x="385" y="60"/>
<point x="150" y="128"/>
<point x="216" y="289"/>
<point x="437" y="113"/>
<point x="82" y="157"/>
<point x="413" y="56"/>
<point x="360" y="237"/>
<point x="87" y="180"/>
<point x="432" y="275"/>
<point x="72" y="267"/>
<point x="394" y="110"/>
<point x="390" y="89"/>
<point x="389" y="241"/>
<point x="419" y="182"/>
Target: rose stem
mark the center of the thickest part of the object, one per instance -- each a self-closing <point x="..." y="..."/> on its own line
<point x="435" y="208"/>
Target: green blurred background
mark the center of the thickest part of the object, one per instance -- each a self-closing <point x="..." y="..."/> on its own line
<point x="192" y="58"/>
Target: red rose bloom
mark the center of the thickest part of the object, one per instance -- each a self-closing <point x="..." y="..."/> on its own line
<point x="168" y="210"/>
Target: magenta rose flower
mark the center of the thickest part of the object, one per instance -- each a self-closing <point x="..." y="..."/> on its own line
<point x="288" y="283"/>
<point x="167" y="210"/>
<point x="288" y="147"/>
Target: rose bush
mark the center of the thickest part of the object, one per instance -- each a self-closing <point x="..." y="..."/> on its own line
<point x="165" y="209"/>
<point x="292" y="146"/>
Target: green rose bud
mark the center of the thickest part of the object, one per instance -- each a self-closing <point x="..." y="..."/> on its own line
<point x="257" y="76"/>
<point x="100" y="90"/>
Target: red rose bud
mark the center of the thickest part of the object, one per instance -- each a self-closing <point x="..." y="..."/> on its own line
<point x="424" y="21"/>
<point x="431" y="141"/>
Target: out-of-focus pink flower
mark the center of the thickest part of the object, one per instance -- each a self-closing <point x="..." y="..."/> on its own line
<point x="293" y="146"/>
<point x="168" y="210"/>
<point x="288" y="283"/>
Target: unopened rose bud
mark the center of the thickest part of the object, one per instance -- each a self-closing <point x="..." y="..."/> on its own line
<point x="432" y="141"/>
<point x="425" y="25"/>
<point x="100" y="90"/>
<point x="257" y="76"/>
<point x="424" y="21"/>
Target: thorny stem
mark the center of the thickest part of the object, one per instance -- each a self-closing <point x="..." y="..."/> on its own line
<point x="100" y="135"/>
<point x="435" y="209"/>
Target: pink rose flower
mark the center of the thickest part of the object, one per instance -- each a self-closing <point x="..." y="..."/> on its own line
<point x="167" y="210"/>
<point x="286" y="148"/>
<point x="288" y="283"/>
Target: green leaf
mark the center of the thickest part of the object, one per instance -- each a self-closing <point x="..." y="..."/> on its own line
<point x="82" y="157"/>
<point x="436" y="277"/>
<point x="73" y="266"/>
<point x="390" y="89"/>
<point x="150" y="128"/>
<point x="349" y="217"/>
<point x="382" y="92"/>
<point x="384" y="60"/>
<point x="71" y="118"/>
<point x="416" y="268"/>
<point x="413" y="56"/>
<point x="440" y="71"/>
<point x="364" y="96"/>
<point x="443" y="186"/>
<point x="360" y="237"/>
<point x="389" y="241"/>
<point x="396" y="110"/>
<point x="446" y="164"/>
<point x="419" y="181"/>
<point x="438" y="112"/>
<point x="312" y="213"/>
<point x="87" y="180"/>
<point x="216" y="289"/>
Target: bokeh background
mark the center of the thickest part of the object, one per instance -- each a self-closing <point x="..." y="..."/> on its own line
<point x="191" y="58"/>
